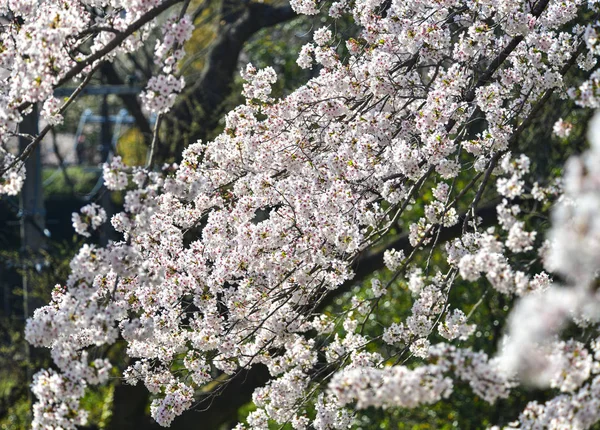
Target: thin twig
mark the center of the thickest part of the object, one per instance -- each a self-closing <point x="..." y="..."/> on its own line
<point x="154" y="140"/>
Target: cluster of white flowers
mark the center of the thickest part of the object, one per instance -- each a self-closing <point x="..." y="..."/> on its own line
<point x="41" y="48"/>
<point x="11" y="181"/>
<point x="59" y="402"/>
<point x="113" y="174"/>
<point x="51" y="111"/>
<point x="161" y="92"/>
<point x="394" y="386"/>
<point x="562" y="128"/>
<point x="175" y="33"/>
<point x="93" y="217"/>
<point x="258" y="86"/>
<point x="393" y="258"/>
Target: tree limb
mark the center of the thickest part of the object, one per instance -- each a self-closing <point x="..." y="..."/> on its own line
<point x="198" y="111"/>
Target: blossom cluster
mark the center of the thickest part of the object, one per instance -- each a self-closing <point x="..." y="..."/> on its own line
<point x="93" y="217"/>
<point x="162" y="90"/>
<point x="573" y="251"/>
<point x="12" y="181"/>
<point x="44" y="44"/>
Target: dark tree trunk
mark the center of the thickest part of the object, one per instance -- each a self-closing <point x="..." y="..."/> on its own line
<point x="199" y="109"/>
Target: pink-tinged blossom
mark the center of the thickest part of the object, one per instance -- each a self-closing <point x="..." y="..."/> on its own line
<point x="305" y="57"/>
<point x="114" y="175"/>
<point x="518" y="239"/>
<point x="91" y="217"/>
<point x="259" y="83"/>
<point x="12" y="181"/>
<point x="393" y="258"/>
<point x="58" y="402"/>
<point x="562" y="128"/>
<point x="305" y="7"/>
<point x="51" y="111"/>
<point x="322" y="36"/>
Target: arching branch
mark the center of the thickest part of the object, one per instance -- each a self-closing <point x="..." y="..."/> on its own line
<point x="198" y="111"/>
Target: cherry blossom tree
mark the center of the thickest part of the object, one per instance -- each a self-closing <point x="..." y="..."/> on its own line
<point x="229" y="260"/>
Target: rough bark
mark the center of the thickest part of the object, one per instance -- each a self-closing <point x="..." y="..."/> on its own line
<point x="199" y="109"/>
<point x="213" y="413"/>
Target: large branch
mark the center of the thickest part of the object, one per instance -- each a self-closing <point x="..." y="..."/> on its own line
<point x="198" y="111"/>
<point x="130" y="404"/>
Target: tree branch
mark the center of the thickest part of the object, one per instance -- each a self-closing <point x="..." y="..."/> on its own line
<point x="198" y="111"/>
